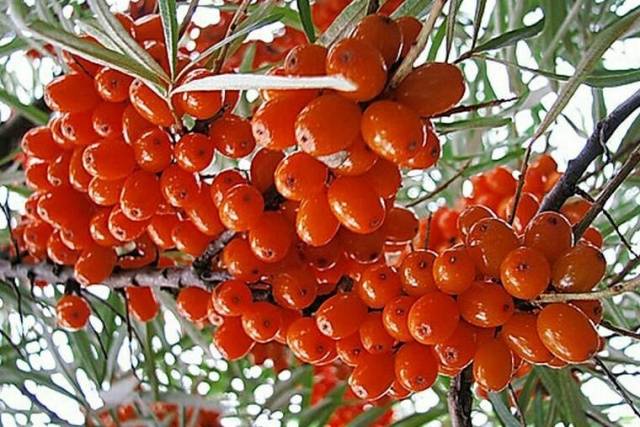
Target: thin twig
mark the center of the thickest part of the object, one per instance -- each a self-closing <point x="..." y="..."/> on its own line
<point x="519" y="411"/>
<point x="372" y="6"/>
<point x="235" y="20"/>
<point x="623" y="392"/>
<point x="521" y="179"/>
<point x="428" y="232"/>
<point x="459" y="399"/>
<point x="474" y="107"/>
<point x="11" y="343"/>
<point x="617" y="289"/>
<point x="615" y="157"/>
<point x="193" y="5"/>
<point x="620" y="331"/>
<point x="441" y="187"/>
<point x="628" y="268"/>
<point x="607" y="192"/>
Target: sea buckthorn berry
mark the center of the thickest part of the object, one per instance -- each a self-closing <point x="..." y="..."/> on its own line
<point x="99" y="229"/>
<point x="123" y="228"/>
<point x="189" y="239"/>
<point x="307" y="342"/>
<point x="575" y="210"/>
<point x="315" y="128"/>
<point x="38" y="142"/>
<point x="360" y="63"/>
<point x="567" y="332"/>
<point x="294" y="289"/>
<point x="134" y="125"/>
<point x="160" y="229"/>
<point x="549" y="233"/>
<point x="232" y="298"/>
<point x="271" y="237"/>
<point x="140" y="196"/>
<point x="145" y="253"/>
<point x="273" y="124"/>
<point x="263" y="167"/>
<point x="489" y="242"/>
<point x="350" y="349"/>
<point x="454" y="271"/>
<point x="433" y="318"/>
<point x="378" y="285"/>
<point x="385" y="178"/>
<point x="528" y="206"/>
<point x="193" y="303"/>
<point x="592" y="308"/>
<point x="306" y="60"/>
<point x="362" y="248"/>
<point x="416" y="272"/>
<point x="194" y="152"/>
<point x="493" y="365"/>
<point x="79" y="178"/>
<point x="232" y="136"/>
<point x="287" y="318"/>
<point x="112" y="85"/>
<point x="199" y="104"/>
<point x="94" y="265"/>
<point x="356" y="204"/>
<point x="525" y="273"/>
<point x="77" y="128"/>
<point x="486" y="305"/>
<point x="299" y="176"/>
<point x="579" y="269"/>
<point x="409" y="29"/>
<point x="501" y="181"/>
<point x="375" y="338"/>
<point x="400" y="225"/>
<point x="323" y="257"/>
<point x="56" y="206"/>
<point x="107" y="119"/>
<point x="431" y="88"/>
<point x="105" y="193"/>
<point x="241" y="262"/>
<point x="315" y="223"/>
<point x="521" y="335"/>
<point x="395" y="315"/>
<point x="416" y="367"/>
<point x="457" y="351"/>
<point x="470" y="216"/>
<point x="383" y="33"/>
<point x="55" y="125"/>
<point x="358" y="159"/>
<point x="373" y="376"/>
<point x="178" y="186"/>
<point x="76" y="235"/>
<point x="231" y="340"/>
<point x="429" y="152"/>
<point x="204" y="215"/>
<point x="341" y="315"/>
<point x="392" y="130"/>
<point x="261" y="321"/>
<point x="241" y="207"/>
<point x="223" y="182"/>
<point x="72" y="312"/>
<point x="58" y="170"/>
<point x="149" y="105"/>
<point x="109" y="160"/>
<point x="58" y="252"/>
<point x="142" y="302"/>
<point x="36" y="234"/>
<point x="61" y="94"/>
<point x="591" y="235"/>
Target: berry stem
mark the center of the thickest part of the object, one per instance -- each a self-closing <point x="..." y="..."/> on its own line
<point x="616" y="289"/>
<point x="460" y="398"/>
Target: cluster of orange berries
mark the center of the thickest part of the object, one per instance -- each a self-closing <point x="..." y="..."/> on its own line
<point x="324" y="12"/>
<point x="168" y="414"/>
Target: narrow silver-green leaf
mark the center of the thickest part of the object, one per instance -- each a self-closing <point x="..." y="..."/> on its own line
<point x="344" y="22"/>
<point x="16" y="44"/>
<point x="34" y="114"/>
<point x="454" y="6"/>
<point x="502" y="411"/>
<point x="415" y="8"/>
<point x="475" y="123"/>
<point x="510" y="37"/>
<point x="168" y="15"/>
<point x="477" y="20"/>
<point x="92" y="28"/>
<point x="261" y="81"/>
<point x="304" y="9"/>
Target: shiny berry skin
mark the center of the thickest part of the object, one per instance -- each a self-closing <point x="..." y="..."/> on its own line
<point x="72" y="312"/>
<point x="315" y="128"/>
<point x="433" y="318"/>
<point x="431" y="88"/>
<point x="201" y="105"/>
<point x="485" y="305"/>
<point x="493" y="365"/>
<point x="416" y="272"/>
<point x="271" y="237"/>
<point x="241" y="207"/>
<point x="263" y="166"/>
<point x="591" y="308"/>
<point x="294" y="288"/>
<point x="521" y="335"/>
<point x="189" y="239"/>
<point x="194" y="152"/>
<point x="341" y="315"/>
<point x="78" y="129"/>
<point x="454" y="271"/>
<point x="307" y="342"/>
<point x="400" y="225"/>
<point x="241" y="262"/>
<point x="107" y="119"/>
<point x="58" y="170"/>
<point x="160" y="228"/>
<point x="362" y="248"/>
<point x="395" y="315"/>
<point x="61" y="94"/>
<point x="567" y="332"/>
<point x="193" y="303"/>
<point x="550" y="233"/>
<point x="142" y="302"/>
<point x="261" y="321"/>
<point x="112" y="85"/>
<point x="470" y="216"/>
<point x="273" y="124"/>
<point x="378" y="285"/>
<point x="416" y="367"/>
<point x="306" y="60"/>
<point x="375" y="338"/>
<point x="457" y="351"/>
<point x="383" y="33"/>
<point x="94" y="265"/>
<point x="315" y="223"/>
<point x="223" y="182"/>
<point x="489" y="242"/>
<point x="360" y="63"/>
<point x="429" y="152"/>
<point x="299" y="176"/>
<point x="123" y="228"/>
<point x="140" y="196"/>
<point x="232" y="136"/>
<point x="356" y="204"/>
<point x="373" y="376"/>
<point x="134" y="125"/>
<point x="105" y="193"/>
<point x="350" y="349"/>
<point x="385" y="178"/>
<point x="204" y="214"/>
<point x="525" y="273"/>
<point x="149" y="105"/>
<point x="38" y="142"/>
<point x="109" y="160"/>
<point x="232" y="298"/>
<point x="178" y="186"/>
<point x="579" y="269"/>
<point x="58" y="252"/>
<point x="358" y="159"/>
<point x="231" y="340"/>
<point x="409" y="29"/>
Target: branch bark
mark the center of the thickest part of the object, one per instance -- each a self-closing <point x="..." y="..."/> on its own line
<point x="460" y="398"/>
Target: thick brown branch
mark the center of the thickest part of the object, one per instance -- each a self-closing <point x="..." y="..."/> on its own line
<point x="459" y="399"/>
<point x="566" y="186"/>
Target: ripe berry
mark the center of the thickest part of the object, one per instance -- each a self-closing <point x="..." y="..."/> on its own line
<point x="61" y="94"/>
<point x="261" y="321"/>
<point x="38" y="142"/>
<point x="489" y="242"/>
<point x="94" y="265"/>
<point x="142" y="302"/>
<point x="109" y="160"/>
<point x="178" y="186"/>
<point x="350" y="349"/>
<point x="72" y="312"/>
<point x="433" y="318"/>
<point x="550" y="233"/>
<point x="525" y="273"/>
<point x="263" y="166"/>
<point x="428" y="154"/>
<point x="203" y="214"/>
<point x="567" y="333"/>
<point x="193" y="303"/>
<point x="579" y="269"/>
<point x="356" y="204"/>
<point x="341" y="315"/>
<point x="160" y="229"/>
<point x="123" y="228"/>
<point x="231" y="298"/>
<point x="294" y="289"/>
<point x="134" y="125"/>
<point x="470" y="216"/>
<point x="315" y="223"/>
<point x="521" y="335"/>
<point x="112" y="85"/>
<point x="315" y="129"/>
<point x="199" y="104"/>
<point x="383" y="33"/>
<point x="307" y="342"/>
<point x="493" y="365"/>
<point x="273" y="124"/>
<point x="58" y="170"/>
<point x="77" y="128"/>
<point x="58" y="252"/>
<point x="454" y="271"/>
<point x="385" y="178"/>
<point x="485" y="304"/>
<point x="373" y="376"/>
<point x="416" y="367"/>
<point x="409" y="28"/>
<point x="378" y="285"/>
<point x="591" y="308"/>
<point x="241" y="207"/>
<point x="231" y="340"/>
<point x="306" y="60"/>
<point x="271" y="236"/>
<point x="232" y="136"/>
<point x="189" y="239"/>
<point x="149" y="105"/>
<point x="223" y="182"/>
<point x="105" y="193"/>
<point x="375" y="338"/>
<point x="107" y="119"/>
<point x="299" y="176"/>
<point x="395" y="315"/>
<point x="194" y="152"/>
<point x="457" y="351"/>
<point x="416" y="272"/>
<point x="360" y="63"/>
<point x="358" y="159"/>
<point x="400" y="225"/>
<point x="362" y="248"/>
<point x="241" y="262"/>
<point x="140" y="196"/>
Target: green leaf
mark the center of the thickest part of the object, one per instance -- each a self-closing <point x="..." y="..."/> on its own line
<point x="343" y="22"/>
<point x="369" y="416"/>
<point x="597" y="46"/>
<point x="169" y="17"/>
<point x="454" y="6"/>
<point x="304" y="10"/>
<point x="31" y="112"/>
<point x="509" y="38"/>
<point x="502" y="410"/>
<point x="477" y="20"/>
<point x="436" y="42"/>
<point x="415" y="8"/>
<point x="16" y="44"/>
<point x="475" y="123"/>
<point x="561" y="383"/>
<point x="419" y="420"/>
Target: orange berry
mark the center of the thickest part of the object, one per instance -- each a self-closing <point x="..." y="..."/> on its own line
<point x="416" y="367"/>
<point x="61" y="94"/>
<point x="189" y="239"/>
<point x="105" y="193"/>
<point x="362" y="248"/>
<point x="489" y="242"/>
<point x="140" y="196"/>
<point x="579" y="269"/>
<point x="358" y="159"/>
<point x="149" y="105"/>
<point x="350" y="349"/>
<point x="454" y="271"/>
<point x="385" y="178"/>
<point x="315" y="223"/>
<point x="263" y="167"/>
<point x="271" y="237"/>
<point x="550" y="233"/>
<point x="395" y="315"/>
<point x="375" y="338"/>
<point x="107" y="119"/>
<point x="592" y="308"/>
<point x="94" y="265"/>
<point x="142" y="303"/>
<point x="378" y="285"/>
<point x="109" y="160"/>
<point x="194" y="152"/>
<point x="307" y="342"/>
<point x="261" y="321"/>
<point x="294" y="289"/>
<point x="299" y="176"/>
<point x="160" y="229"/>
<point x="38" y="142"/>
<point x="201" y="105"/>
<point x="356" y="204"/>
<point x="223" y="182"/>
<point x="500" y="180"/>
<point x="134" y="125"/>
<point x="341" y="315"/>
<point x="521" y="335"/>
<point x="241" y="207"/>
<point x="416" y="272"/>
<point x="179" y="187"/>
<point x="591" y="235"/>
<point x="525" y="273"/>
<point x="72" y="312"/>
<point x="204" y="215"/>
<point x="400" y="225"/>
<point x="470" y="216"/>
<point x="409" y="29"/>
<point x="273" y="124"/>
<point x="232" y="298"/>
<point x="433" y="318"/>
<point x="493" y="365"/>
<point x="431" y="88"/>
<point x="428" y="153"/>
<point x="231" y="340"/>
<point x="567" y="332"/>
<point x="306" y="60"/>
<point x="373" y="376"/>
<point x="58" y="170"/>
<point x="457" y="351"/>
<point x="193" y="303"/>
<point x="241" y="262"/>
<point x="77" y="128"/>
<point x="383" y="33"/>
<point x="112" y="85"/>
<point x="232" y="136"/>
<point x="58" y="252"/>
<point x="486" y="305"/>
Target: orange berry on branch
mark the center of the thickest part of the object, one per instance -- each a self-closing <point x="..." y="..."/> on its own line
<point x="579" y="269"/>
<point x="373" y="376"/>
<point x="521" y="335"/>
<point x="378" y="285"/>
<point x="356" y="204"/>
<point x="241" y="207"/>
<point x="416" y="272"/>
<point x="94" y="265"/>
<point x="373" y="334"/>
<point x="525" y="273"/>
<point x="416" y="367"/>
<point x="232" y="136"/>
<point x="395" y="315"/>
<point x="567" y="332"/>
<point x="231" y="340"/>
<point x="433" y="318"/>
<point x="485" y="305"/>
<point x="72" y="312"/>
<point x="454" y="271"/>
<point x="341" y="315"/>
<point x="493" y="365"/>
<point x="142" y="302"/>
